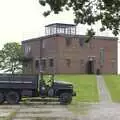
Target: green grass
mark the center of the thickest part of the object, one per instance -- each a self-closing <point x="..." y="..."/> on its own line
<point x="84" y="85"/>
<point x="113" y="84"/>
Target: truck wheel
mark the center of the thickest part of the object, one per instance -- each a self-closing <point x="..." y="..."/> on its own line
<point x="12" y="97"/>
<point x="65" y="98"/>
<point x="1" y="98"/>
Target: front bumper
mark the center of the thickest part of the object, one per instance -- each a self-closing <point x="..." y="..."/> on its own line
<point x="74" y="93"/>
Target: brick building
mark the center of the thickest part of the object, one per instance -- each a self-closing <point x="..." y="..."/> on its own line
<point x="62" y="51"/>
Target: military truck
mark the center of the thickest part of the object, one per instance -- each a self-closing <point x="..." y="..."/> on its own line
<point x="14" y="87"/>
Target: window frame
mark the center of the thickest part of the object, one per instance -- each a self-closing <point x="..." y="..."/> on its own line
<point x="68" y="62"/>
<point x="51" y="63"/>
<point x="81" y="42"/>
<point x="102" y="56"/>
<point x="37" y="63"/>
<point x="44" y="63"/>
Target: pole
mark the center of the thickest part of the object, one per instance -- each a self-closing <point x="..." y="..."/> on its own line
<point x="40" y="67"/>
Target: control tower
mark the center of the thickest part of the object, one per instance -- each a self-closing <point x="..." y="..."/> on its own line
<point x="59" y="28"/>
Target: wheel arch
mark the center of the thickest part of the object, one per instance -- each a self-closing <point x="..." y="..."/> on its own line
<point x="60" y="91"/>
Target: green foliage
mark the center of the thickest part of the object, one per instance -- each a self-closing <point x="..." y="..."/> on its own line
<point x="89" y="12"/>
<point x="10" y="56"/>
<point x="90" y="34"/>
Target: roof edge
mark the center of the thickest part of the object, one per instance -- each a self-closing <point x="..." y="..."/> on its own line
<point x="60" y="24"/>
<point x="63" y="35"/>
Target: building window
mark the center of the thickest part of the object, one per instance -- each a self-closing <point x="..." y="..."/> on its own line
<point x="43" y="44"/>
<point x="102" y="56"/>
<point x="27" y="49"/>
<point x="113" y="63"/>
<point x="44" y="63"/>
<point x="25" y="64"/>
<point x="81" y="62"/>
<point x="36" y="64"/>
<point x="68" y="41"/>
<point x="81" y="42"/>
<point x="51" y="62"/>
<point x="68" y="62"/>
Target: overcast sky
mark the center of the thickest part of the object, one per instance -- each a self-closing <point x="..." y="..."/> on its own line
<point x="23" y="19"/>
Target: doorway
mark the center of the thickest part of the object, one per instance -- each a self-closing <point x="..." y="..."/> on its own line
<point x="90" y="67"/>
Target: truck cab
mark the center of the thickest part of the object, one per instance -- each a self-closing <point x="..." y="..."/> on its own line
<point x="57" y="89"/>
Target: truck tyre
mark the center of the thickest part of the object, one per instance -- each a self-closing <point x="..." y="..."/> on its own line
<point x="1" y="98"/>
<point x="65" y="98"/>
<point x="13" y="97"/>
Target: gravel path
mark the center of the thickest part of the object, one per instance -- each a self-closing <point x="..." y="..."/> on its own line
<point x="36" y="111"/>
<point x="101" y="111"/>
<point x="86" y="111"/>
<point x="104" y="95"/>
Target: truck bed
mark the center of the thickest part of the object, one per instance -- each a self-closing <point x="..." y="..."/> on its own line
<point x="18" y="81"/>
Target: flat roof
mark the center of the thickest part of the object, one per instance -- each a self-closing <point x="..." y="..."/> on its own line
<point x="61" y="24"/>
<point x="63" y="35"/>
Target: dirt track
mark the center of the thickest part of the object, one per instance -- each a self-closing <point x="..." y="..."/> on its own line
<point x="38" y="111"/>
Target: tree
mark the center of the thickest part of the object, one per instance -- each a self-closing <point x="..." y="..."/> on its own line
<point x="89" y="12"/>
<point x="10" y="56"/>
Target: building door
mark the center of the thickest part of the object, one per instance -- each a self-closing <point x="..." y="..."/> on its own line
<point x="90" y="67"/>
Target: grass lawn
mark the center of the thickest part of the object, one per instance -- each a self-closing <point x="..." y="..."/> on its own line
<point x="113" y="84"/>
<point x="85" y="87"/>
